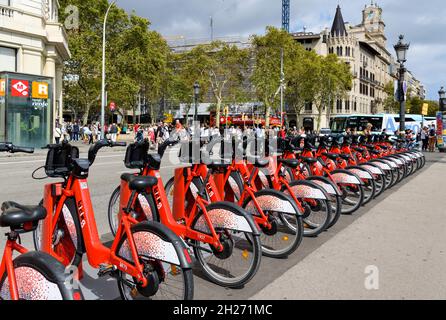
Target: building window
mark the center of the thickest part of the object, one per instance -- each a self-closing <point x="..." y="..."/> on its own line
<point x="339" y="106"/>
<point x="8" y="59"/>
<point x="355" y="106"/>
<point x="308" y="107"/>
<point x="347" y="106"/>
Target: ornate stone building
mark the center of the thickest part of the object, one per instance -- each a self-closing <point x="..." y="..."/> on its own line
<point x="33" y="47"/>
<point x="364" y="48"/>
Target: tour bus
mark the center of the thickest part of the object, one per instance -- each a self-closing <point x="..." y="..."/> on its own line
<point x="390" y="122"/>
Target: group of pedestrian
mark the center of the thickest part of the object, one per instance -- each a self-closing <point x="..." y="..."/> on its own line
<point x="428" y="137"/>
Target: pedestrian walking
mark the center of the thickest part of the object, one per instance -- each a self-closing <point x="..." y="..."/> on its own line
<point x="57" y="133"/>
<point x="113" y="130"/>
<point x="424" y="138"/>
<point x="432" y="138"/>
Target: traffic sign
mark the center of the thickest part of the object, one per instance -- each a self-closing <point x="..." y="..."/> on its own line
<point x="425" y="110"/>
<point x="112" y="106"/>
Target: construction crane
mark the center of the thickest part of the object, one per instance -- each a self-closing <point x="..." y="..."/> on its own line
<point x="286" y="15"/>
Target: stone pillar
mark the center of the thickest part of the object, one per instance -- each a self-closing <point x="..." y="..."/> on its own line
<point x="59" y="90"/>
<point x="49" y="70"/>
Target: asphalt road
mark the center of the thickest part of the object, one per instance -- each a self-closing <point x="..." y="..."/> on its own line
<point x="16" y="184"/>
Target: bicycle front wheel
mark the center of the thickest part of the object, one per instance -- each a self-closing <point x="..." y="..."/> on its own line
<point x="162" y="255"/>
<point x="39" y="277"/>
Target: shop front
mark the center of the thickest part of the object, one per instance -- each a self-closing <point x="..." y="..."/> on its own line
<point x="26" y="110"/>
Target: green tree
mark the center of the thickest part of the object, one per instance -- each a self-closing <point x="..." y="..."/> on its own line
<point x="334" y="80"/>
<point x="218" y="67"/>
<point x="390" y="105"/>
<point x="266" y="75"/>
<point x="136" y="58"/>
<point x="301" y="78"/>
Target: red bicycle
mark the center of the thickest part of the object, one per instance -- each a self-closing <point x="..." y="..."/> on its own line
<point x="224" y="237"/>
<point x="32" y="275"/>
<point x="277" y="216"/>
<point x="147" y="260"/>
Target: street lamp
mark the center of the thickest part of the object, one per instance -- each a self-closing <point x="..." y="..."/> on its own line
<point x="196" y="93"/>
<point x="103" y="98"/>
<point x="442" y="95"/>
<point x="401" y="49"/>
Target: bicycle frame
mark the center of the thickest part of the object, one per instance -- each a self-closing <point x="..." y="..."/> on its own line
<point x="8" y="266"/>
<point x="185" y="230"/>
<point x="97" y="253"/>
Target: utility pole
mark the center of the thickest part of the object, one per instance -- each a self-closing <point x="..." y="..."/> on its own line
<point x="282" y="82"/>
<point x="212" y="29"/>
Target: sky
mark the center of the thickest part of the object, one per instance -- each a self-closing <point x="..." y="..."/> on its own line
<point x="422" y="22"/>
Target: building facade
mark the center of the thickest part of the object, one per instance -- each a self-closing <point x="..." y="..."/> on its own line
<point x="33" y="47"/>
<point x="364" y="48"/>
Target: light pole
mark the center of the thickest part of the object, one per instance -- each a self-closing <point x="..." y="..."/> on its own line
<point x="196" y="93"/>
<point x="282" y="83"/>
<point x="401" y="51"/>
<point x="442" y="95"/>
<point x="103" y="98"/>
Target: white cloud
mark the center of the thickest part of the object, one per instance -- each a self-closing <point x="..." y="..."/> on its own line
<point x="423" y="23"/>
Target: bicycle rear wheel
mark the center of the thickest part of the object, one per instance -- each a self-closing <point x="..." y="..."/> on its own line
<point x="240" y="259"/>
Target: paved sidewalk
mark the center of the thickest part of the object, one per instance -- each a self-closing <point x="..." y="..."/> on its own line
<point x="399" y="244"/>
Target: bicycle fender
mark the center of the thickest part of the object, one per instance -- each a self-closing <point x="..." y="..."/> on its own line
<point x="227" y="215"/>
<point x="372" y="168"/>
<point x="391" y="163"/>
<point x="304" y="189"/>
<point x="155" y="240"/>
<point x="384" y="166"/>
<point x="326" y="184"/>
<point x="361" y="172"/>
<point x="272" y="200"/>
<point x="42" y="288"/>
<point x="345" y="177"/>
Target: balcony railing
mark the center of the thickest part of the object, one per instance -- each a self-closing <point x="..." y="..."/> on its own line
<point x="6" y="12"/>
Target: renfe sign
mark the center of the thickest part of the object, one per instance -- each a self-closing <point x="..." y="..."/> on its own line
<point x="2" y="87"/>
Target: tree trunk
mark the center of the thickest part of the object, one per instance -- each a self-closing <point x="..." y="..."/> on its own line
<point x="86" y="115"/>
<point x="267" y="116"/>
<point x="319" y="118"/>
<point x="218" y="113"/>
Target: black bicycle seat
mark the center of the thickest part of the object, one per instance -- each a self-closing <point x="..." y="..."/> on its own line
<point x="15" y="215"/>
<point x="139" y="183"/>
<point x="291" y="163"/>
<point x="345" y="156"/>
<point x="217" y="165"/>
<point x="308" y="160"/>
<point x="261" y="162"/>
<point x="332" y="156"/>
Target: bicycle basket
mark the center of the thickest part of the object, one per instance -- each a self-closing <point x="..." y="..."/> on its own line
<point x="136" y="156"/>
<point x="59" y="160"/>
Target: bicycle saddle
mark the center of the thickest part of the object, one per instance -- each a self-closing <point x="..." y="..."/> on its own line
<point x="291" y="163"/>
<point x="359" y="149"/>
<point x="15" y="215"/>
<point x="384" y="147"/>
<point x="260" y="163"/>
<point x="308" y="160"/>
<point x="216" y="165"/>
<point x="375" y="152"/>
<point x="332" y="156"/>
<point x="345" y="156"/>
<point x="139" y="183"/>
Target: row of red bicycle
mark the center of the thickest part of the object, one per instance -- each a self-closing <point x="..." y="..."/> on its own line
<point x="252" y="198"/>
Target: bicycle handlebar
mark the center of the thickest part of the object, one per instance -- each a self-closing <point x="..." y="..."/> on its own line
<point x="9" y="147"/>
<point x="94" y="149"/>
